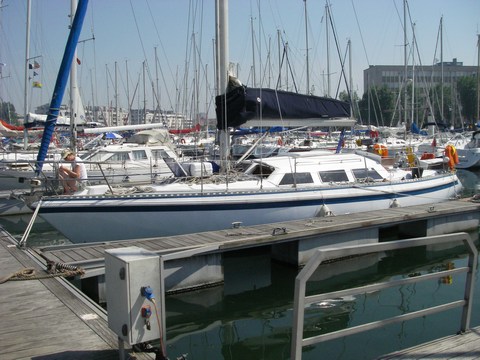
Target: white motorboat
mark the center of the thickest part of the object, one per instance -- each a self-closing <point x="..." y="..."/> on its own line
<point x="292" y="187"/>
<point x="469" y="154"/>
<point x="147" y="156"/>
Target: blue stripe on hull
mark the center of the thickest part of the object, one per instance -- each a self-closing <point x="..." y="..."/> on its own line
<point x="246" y="205"/>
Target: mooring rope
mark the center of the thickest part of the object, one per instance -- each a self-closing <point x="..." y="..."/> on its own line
<point x="32" y="274"/>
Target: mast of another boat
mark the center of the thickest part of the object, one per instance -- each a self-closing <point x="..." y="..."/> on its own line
<point x="405" y="61"/>
<point x="73" y="87"/>
<point x="221" y="32"/>
<point x="478" y="80"/>
<point x="27" y="59"/>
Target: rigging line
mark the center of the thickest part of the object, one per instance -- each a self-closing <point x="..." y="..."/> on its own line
<point x="360" y="31"/>
<point x="141" y="41"/>
<point x="332" y="23"/>
<point x="164" y="53"/>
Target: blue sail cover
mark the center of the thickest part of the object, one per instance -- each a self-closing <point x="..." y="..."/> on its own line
<point x="61" y="83"/>
<point x="244" y="104"/>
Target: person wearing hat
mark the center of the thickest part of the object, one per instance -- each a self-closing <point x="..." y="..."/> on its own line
<point x="74" y="177"/>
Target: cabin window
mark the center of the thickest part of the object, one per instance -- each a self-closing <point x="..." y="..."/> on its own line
<point x="115" y="157"/>
<point x="139" y="155"/>
<point x="333" y="176"/>
<point x="296" y="178"/>
<point x="366" y="174"/>
<point x="160" y="154"/>
<point x="261" y="170"/>
<point x="118" y="157"/>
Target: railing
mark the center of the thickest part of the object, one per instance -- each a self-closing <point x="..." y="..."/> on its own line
<point x="301" y="300"/>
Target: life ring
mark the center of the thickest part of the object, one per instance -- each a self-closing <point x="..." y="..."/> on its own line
<point x="451" y="153"/>
<point x="380" y="150"/>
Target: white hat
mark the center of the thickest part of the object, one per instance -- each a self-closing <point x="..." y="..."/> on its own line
<point x="66" y="152"/>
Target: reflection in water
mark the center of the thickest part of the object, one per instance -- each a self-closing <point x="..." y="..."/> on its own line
<point x="256" y="323"/>
<point x="42" y="233"/>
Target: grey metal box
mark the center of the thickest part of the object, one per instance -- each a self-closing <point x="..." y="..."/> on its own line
<point x="127" y="270"/>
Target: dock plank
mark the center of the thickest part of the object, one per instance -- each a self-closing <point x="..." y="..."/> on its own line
<point x="49" y="315"/>
<point x="460" y="346"/>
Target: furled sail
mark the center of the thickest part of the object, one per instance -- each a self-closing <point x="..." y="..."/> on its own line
<point x="268" y="107"/>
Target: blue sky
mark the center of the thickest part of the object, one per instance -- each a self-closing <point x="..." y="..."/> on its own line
<point x="128" y="31"/>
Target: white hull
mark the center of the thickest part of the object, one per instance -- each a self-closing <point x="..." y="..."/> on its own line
<point x="93" y="219"/>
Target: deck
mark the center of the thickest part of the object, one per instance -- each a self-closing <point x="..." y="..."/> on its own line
<point x="48" y="318"/>
<point x="463" y="346"/>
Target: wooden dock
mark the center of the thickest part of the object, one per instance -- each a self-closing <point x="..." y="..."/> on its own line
<point x="48" y="318"/>
<point x="463" y="346"/>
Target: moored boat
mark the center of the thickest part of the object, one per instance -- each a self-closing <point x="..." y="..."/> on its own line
<point x="282" y="188"/>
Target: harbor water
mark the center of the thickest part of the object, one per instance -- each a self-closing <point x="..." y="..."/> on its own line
<point x="250" y="317"/>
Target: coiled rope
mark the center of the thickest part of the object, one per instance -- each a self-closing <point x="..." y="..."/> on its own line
<point x="33" y="274"/>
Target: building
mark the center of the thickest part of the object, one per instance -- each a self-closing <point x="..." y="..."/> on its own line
<point x="392" y="76"/>
<point x="426" y="79"/>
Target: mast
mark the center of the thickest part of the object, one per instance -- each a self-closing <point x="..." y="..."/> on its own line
<point x="27" y="59"/>
<point x="441" y="67"/>
<point x="128" y="95"/>
<point x="349" y="44"/>
<point x="254" y="82"/>
<point x="478" y="79"/>
<point x="108" y="118"/>
<point x="412" y="117"/>
<point x="61" y="83"/>
<point x="405" y="63"/>
<point x="144" y="95"/>
<point x="306" y="45"/>
<point x="221" y="12"/>
<point x="327" y="19"/>
<point x="116" y="96"/>
<point x="94" y="112"/>
<point x="73" y="88"/>
<point x="279" y="60"/>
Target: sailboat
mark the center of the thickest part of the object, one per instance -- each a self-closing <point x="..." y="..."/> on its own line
<point x="282" y="188"/>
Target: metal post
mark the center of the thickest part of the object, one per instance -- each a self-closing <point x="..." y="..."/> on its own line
<point x="23" y="240"/>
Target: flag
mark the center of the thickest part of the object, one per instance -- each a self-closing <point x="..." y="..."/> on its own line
<point x="36" y="65"/>
<point x="37" y="84"/>
<point x="78" y="61"/>
<point x="35" y="73"/>
<point x="434" y="142"/>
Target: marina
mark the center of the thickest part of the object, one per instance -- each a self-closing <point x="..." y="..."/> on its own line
<point x="240" y="210"/>
<point x="257" y="237"/>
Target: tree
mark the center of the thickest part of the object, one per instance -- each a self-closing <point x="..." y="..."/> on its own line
<point x="467" y="90"/>
<point x="8" y="113"/>
<point x="344" y="96"/>
<point x="377" y="106"/>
